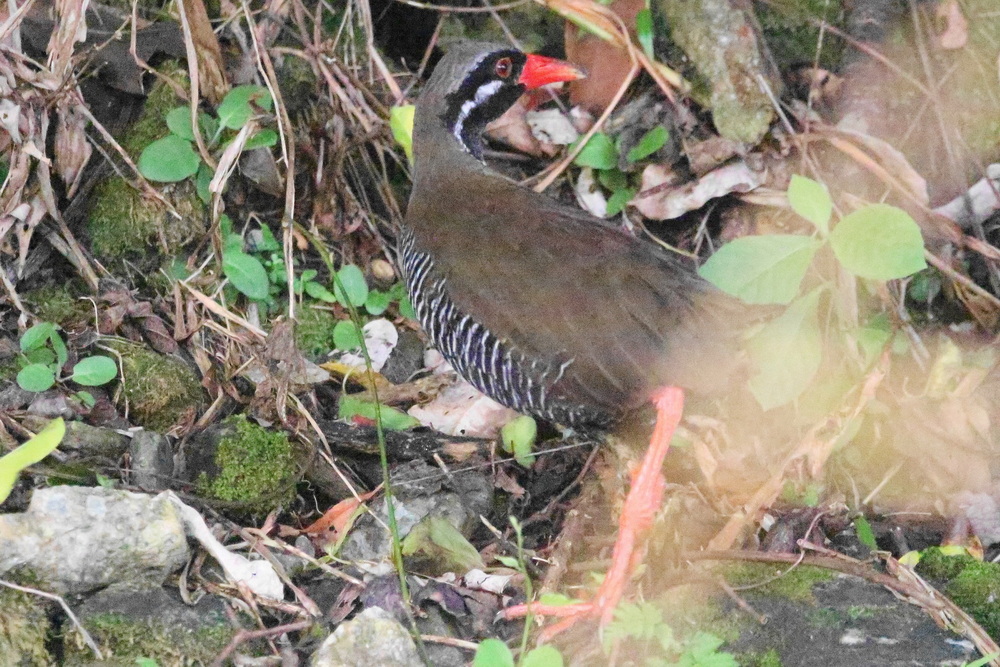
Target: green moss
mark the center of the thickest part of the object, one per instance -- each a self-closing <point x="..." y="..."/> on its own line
<point x="314" y="331"/>
<point x="972" y="585"/>
<point x="795" y="584"/>
<point x="123" y="223"/>
<point x="59" y="304"/>
<point x="161" y="391"/>
<point x="24" y="625"/>
<point x="976" y="590"/>
<point x="255" y="466"/>
<point x="938" y="564"/>
<point x="792" y="31"/>
<point x="123" y="641"/>
<point x="769" y="659"/>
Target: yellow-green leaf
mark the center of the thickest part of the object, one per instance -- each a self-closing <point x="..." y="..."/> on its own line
<point x="33" y="451"/>
<point x="401" y="124"/>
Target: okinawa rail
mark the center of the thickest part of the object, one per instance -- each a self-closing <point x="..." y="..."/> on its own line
<point x="543" y="307"/>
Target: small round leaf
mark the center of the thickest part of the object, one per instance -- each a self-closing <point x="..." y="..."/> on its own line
<point x="36" y="377"/>
<point x="353" y="282"/>
<point x="346" y="335"/>
<point x="599" y="153"/>
<point x="179" y="122"/>
<point x="95" y="371"/>
<point x="493" y="653"/>
<point x="169" y="160"/>
<point x="377" y="302"/>
<point x="237" y="106"/>
<point x="36" y="336"/>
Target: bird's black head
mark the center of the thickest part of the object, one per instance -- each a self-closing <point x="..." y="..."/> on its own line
<point x="477" y="83"/>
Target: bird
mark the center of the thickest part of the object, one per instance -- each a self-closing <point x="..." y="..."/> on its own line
<point x="540" y="305"/>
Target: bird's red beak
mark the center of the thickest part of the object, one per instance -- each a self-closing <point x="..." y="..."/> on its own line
<point x="539" y="71"/>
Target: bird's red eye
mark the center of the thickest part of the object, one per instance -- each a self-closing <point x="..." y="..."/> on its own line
<point x="504" y="67"/>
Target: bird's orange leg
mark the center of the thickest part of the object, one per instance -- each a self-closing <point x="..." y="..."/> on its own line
<point x="643" y="499"/>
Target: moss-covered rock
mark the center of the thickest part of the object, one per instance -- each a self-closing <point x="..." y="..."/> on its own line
<point x="243" y="463"/>
<point x="123" y="641"/>
<point x="60" y="304"/>
<point x="971" y="584"/>
<point x="24" y="627"/>
<point x="161" y="391"/>
<point x="124" y="223"/>
<point x="779" y="580"/>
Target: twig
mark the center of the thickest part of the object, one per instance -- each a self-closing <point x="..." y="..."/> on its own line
<point x="69" y="613"/>
<point x="266" y="633"/>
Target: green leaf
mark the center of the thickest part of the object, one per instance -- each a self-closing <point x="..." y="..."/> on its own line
<point x="246" y="273"/>
<point x="36" y="377"/>
<point x="644" y="30"/>
<point x="203" y="179"/>
<point x="401" y="124"/>
<point x="651" y="142"/>
<point x="702" y="650"/>
<point x="320" y="293"/>
<point x="787" y="352"/>
<point x="37" y="336"/>
<point x="618" y="200"/>
<point x="353" y="282"/>
<point x="32" y="451"/>
<point x="518" y="438"/>
<point x="812" y="201"/>
<point x="377" y="302"/>
<point x="865" y="533"/>
<point x="556" y="599"/>
<point x="237" y="106"/>
<point x="880" y="242"/>
<point x="493" y="653"/>
<point x="179" y="122"/>
<point x="436" y="539"/>
<point x="86" y="398"/>
<point x="398" y="290"/>
<point x="761" y="269"/>
<point x="169" y="160"/>
<point x="95" y="371"/>
<point x="41" y="355"/>
<point x="392" y="419"/>
<point x="263" y="139"/>
<point x="599" y="153"/>
<point x="266" y="242"/>
<point x="406" y="308"/>
<point x="612" y="179"/>
<point x="511" y="562"/>
<point x="346" y="335"/>
<point x="59" y="347"/>
<point x="543" y="656"/>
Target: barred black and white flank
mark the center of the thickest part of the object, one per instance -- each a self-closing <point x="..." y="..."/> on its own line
<point x="492" y="365"/>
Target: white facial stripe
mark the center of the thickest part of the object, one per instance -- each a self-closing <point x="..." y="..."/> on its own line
<point x="483" y="93"/>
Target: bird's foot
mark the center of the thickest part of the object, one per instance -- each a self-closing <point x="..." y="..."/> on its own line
<point x="637" y="515"/>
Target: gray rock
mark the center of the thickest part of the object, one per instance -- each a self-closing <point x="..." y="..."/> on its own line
<point x="152" y="460"/>
<point x="373" y="637"/>
<point x="421" y="490"/>
<point x="75" y="539"/>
